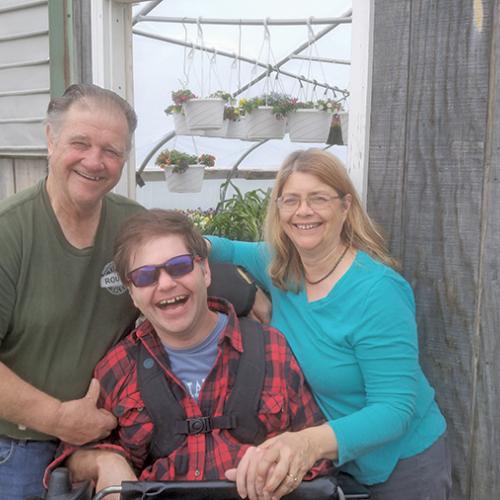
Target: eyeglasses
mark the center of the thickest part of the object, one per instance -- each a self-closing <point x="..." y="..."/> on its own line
<point x="176" y="267"/>
<point x="290" y="203"/>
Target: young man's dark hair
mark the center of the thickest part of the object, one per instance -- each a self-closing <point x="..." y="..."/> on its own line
<point x="151" y="224"/>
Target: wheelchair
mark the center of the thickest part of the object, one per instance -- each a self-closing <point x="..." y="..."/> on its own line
<point x="335" y="487"/>
<point x="227" y="281"/>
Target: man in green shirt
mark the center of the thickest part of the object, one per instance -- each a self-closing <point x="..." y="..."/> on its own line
<point x="62" y="305"/>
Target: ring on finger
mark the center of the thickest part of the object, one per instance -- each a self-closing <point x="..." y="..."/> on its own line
<point x="292" y="477"/>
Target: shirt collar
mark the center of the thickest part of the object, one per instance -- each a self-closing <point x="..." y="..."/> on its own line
<point x="231" y="332"/>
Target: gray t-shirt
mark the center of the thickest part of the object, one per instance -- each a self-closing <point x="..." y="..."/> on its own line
<point x="192" y="365"/>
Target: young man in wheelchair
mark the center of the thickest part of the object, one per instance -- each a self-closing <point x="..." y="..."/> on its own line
<point x="193" y="387"/>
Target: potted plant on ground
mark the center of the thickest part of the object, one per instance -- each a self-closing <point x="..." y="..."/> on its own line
<point x="310" y="121"/>
<point x="184" y="172"/>
<point x="240" y="217"/>
<point x="265" y="116"/>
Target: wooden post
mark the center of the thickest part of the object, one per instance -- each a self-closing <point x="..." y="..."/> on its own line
<point x="433" y="184"/>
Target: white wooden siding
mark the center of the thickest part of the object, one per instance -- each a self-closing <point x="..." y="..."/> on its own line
<point x="24" y="76"/>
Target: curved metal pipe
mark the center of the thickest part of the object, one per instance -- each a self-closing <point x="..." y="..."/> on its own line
<point x="235" y="168"/>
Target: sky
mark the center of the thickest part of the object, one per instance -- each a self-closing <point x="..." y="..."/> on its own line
<point x="160" y="67"/>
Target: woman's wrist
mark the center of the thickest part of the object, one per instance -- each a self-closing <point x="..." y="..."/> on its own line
<point x="322" y="441"/>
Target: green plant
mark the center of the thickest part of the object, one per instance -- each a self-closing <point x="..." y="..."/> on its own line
<point x="179" y="97"/>
<point x="207" y="160"/>
<point x="181" y="161"/>
<point x="173" y="108"/>
<point x="304" y="105"/>
<point x="248" y="105"/>
<point x="231" y="113"/>
<point x="240" y="217"/>
<point x="281" y="104"/>
<point x="201" y="218"/>
<point x="225" y="96"/>
<point x="328" y="105"/>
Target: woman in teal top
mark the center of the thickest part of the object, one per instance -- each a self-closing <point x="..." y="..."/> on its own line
<point x="349" y="318"/>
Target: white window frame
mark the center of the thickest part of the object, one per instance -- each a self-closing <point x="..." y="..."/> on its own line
<point x="112" y="67"/>
<point x="360" y="89"/>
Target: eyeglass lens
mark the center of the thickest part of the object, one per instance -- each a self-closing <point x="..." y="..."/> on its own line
<point x="176" y="267"/>
<point x="289" y="202"/>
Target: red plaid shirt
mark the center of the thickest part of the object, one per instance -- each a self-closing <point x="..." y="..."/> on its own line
<point x="286" y="404"/>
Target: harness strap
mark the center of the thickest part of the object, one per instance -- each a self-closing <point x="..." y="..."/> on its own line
<point x="244" y="399"/>
<point x="161" y="403"/>
<point x="162" y="399"/>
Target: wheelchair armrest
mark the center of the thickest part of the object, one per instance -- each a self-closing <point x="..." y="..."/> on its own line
<point x="324" y="488"/>
<point x="321" y="488"/>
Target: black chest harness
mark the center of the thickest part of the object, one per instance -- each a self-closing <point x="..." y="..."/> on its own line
<point x="162" y="399"/>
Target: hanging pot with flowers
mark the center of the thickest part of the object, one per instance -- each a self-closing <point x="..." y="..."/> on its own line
<point x="310" y="121"/>
<point x="265" y="116"/>
<point x="227" y="115"/>
<point x="184" y="172"/>
<point x="236" y="126"/>
<point x="201" y="113"/>
<point x="179" y="97"/>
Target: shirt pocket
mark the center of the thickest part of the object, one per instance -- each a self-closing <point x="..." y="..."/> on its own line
<point x="134" y="423"/>
<point x="273" y="412"/>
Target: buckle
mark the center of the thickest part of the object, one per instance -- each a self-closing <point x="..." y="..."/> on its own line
<point x="199" y="425"/>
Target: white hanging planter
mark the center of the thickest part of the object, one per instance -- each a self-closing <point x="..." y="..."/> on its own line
<point x="217" y="132"/>
<point x="181" y="128"/>
<point x="204" y="113"/>
<point x="189" y="181"/>
<point x="262" y="124"/>
<point x="237" y="129"/>
<point x="309" y="125"/>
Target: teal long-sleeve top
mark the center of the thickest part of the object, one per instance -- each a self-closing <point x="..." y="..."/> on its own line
<point x="358" y="350"/>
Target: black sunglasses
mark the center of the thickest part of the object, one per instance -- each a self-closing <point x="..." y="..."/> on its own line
<point x="176" y="267"/>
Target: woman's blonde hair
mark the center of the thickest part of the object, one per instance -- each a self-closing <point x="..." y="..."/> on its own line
<point x="359" y="231"/>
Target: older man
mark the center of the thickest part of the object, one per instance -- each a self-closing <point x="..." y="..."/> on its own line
<point x="61" y="302"/>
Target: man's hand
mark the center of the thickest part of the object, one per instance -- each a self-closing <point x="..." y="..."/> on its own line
<point x="80" y="421"/>
<point x="105" y="468"/>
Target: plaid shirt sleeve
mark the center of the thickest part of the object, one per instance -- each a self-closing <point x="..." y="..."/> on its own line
<point x="116" y="375"/>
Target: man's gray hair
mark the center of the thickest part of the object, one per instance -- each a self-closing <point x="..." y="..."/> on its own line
<point x="81" y="92"/>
